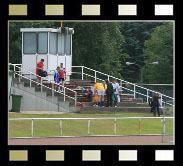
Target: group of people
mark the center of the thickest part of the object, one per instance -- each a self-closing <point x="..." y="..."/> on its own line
<point x="59" y="75"/>
<point x="110" y="89"/>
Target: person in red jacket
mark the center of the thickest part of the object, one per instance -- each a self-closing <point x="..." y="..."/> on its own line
<point x="62" y="76"/>
<point x="39" y="70"/>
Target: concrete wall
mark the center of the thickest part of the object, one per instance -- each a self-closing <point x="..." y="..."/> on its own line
<point x="31" y="102"/>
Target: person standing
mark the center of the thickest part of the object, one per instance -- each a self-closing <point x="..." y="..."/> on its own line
<point x="109" y="93"/>
<point x="39" y="70"/>
<point x="56" y="78"/>
<point x="101" y="91"/>
<point x="116" y="92"/>
<point x="156" y="103"/>
<point x="62" y="75"/>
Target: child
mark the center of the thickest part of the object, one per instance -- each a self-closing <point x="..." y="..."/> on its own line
<point x="95" y="99"/>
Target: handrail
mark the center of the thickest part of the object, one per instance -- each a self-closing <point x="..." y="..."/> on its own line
<point x="100" y="118"/>
<point x="123" y="81"/>
<point x="53" y="83"/>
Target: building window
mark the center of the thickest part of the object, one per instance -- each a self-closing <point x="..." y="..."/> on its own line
<point x="30" y="43"/>
<point x="42" y="43"/>
<point x="61" y="44"/>
<point x="68" y="44"/>
<point x="53" y="43"/>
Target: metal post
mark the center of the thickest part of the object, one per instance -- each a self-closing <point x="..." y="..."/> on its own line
<point x="121" y="84"/>
<point x="95" y="76"/>
<point x="32" y="131"/>
<point x="147" y="95"/>
<point x="19" y="75"/>
<point x="163" y="129"/>
<point x="60" y="127"/>
<point x="41" y="84"/>
<point x="134" y="91"/>
<point x="108" y="78"/>
<point x="75" y="98"/>
<point x="88" y="127"/>
<point x="52" y="89"/>
<point x="82" y="72"/>
<point x="161" y="99"/>
<point x="115" y="126"/>
<point x="64" y="93"/>
<point x="30" y="79"/>
<point x="14" y="70"/>
<point x="139" y="126"/>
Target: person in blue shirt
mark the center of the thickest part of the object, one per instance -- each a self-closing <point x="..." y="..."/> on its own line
<point x="116" y="92"/>
<point x="56" y="78"/>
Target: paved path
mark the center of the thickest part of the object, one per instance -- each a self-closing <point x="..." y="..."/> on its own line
<point x="108" y="140"/>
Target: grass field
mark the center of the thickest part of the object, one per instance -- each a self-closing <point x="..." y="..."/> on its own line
<point x="80" y="127"/>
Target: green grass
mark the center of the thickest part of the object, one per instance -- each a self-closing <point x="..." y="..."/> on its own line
<point x="80" y="127"/>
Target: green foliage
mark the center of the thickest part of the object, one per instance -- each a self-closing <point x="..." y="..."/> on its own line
<point x="159" y="48"/>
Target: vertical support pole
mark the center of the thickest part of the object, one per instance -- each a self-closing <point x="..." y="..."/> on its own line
<point x="32" y="131"/>
<point x="161" y="100"/>
<point x="82" y="72"/>
<point x="134" y="91"/>
<point x="115" y="126"/>
<point x="30" y="80"/>
<point x="121" y="84"/>
<point x="108" y="77"/>
<point x="64" y="93"/>
<point x="140" y="127"/>
<point x="95" y="76"/>
<point x="14" y="70"/>
<point x="88" y="127"/>
<point x="52" y="88"/>
<point x="147" y="95"/>
<point x="75" y="98"/>
<point x="19" y="75"/>
<point x="60" y="127"/>
<point x="163" y="129"/>
<point x="41" y="84"/>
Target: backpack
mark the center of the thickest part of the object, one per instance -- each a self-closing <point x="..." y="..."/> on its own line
<point x="109" y="88"/>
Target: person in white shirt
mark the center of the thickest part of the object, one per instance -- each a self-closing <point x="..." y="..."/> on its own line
<point x="116" y="92"/>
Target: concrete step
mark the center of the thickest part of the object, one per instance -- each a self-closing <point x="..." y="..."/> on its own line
<point x="114" y="109"/>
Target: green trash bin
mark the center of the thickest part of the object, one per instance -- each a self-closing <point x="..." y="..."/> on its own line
<point x="16" y="102"/>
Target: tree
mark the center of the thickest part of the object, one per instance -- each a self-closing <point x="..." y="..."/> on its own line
<point x="159" y="48"/>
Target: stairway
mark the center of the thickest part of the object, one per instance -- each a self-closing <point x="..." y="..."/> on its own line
<point x="127" y="101"/>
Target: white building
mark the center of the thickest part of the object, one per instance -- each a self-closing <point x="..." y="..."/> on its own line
<point x="52" y="45"/>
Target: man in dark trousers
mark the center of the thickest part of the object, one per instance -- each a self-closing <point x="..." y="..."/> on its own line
<point x="109" y="93"/>
<point x="156" y="103"/>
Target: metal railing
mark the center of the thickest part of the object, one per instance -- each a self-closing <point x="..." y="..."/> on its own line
<point x="163" y="119"/>
<point x="20" y="75"/>
<point x="122" y="82"/>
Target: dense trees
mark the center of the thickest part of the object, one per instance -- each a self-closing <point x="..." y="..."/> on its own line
<point x="107" y="46"/>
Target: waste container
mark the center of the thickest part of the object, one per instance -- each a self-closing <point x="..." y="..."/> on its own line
<point x="16" y="102"/>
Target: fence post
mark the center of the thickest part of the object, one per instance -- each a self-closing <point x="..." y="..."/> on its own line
<point x="41" y="84"/>
<point x="30" y="80"/>
<point x="52" y="85"/>
<point x="161" y="100"/>
<point x="14" y="70"/>
<point x="32" y="131"/>
<point x="108" y="78"/>
<point x="139" y="126"/>
<point x="82" y="72"/>
<point x="115" y="126"/>
<point x="134" y="91"/>
<point x="19" y="75"/>
<point x="60" y="127"/>
<point x="95" y="76"/>
<point x="88" y="127"/>
<point x="163" y="129"/>
<point x="64" y="93"/>
<point x="147" y="95"/>
<point x="75" y="98"/>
